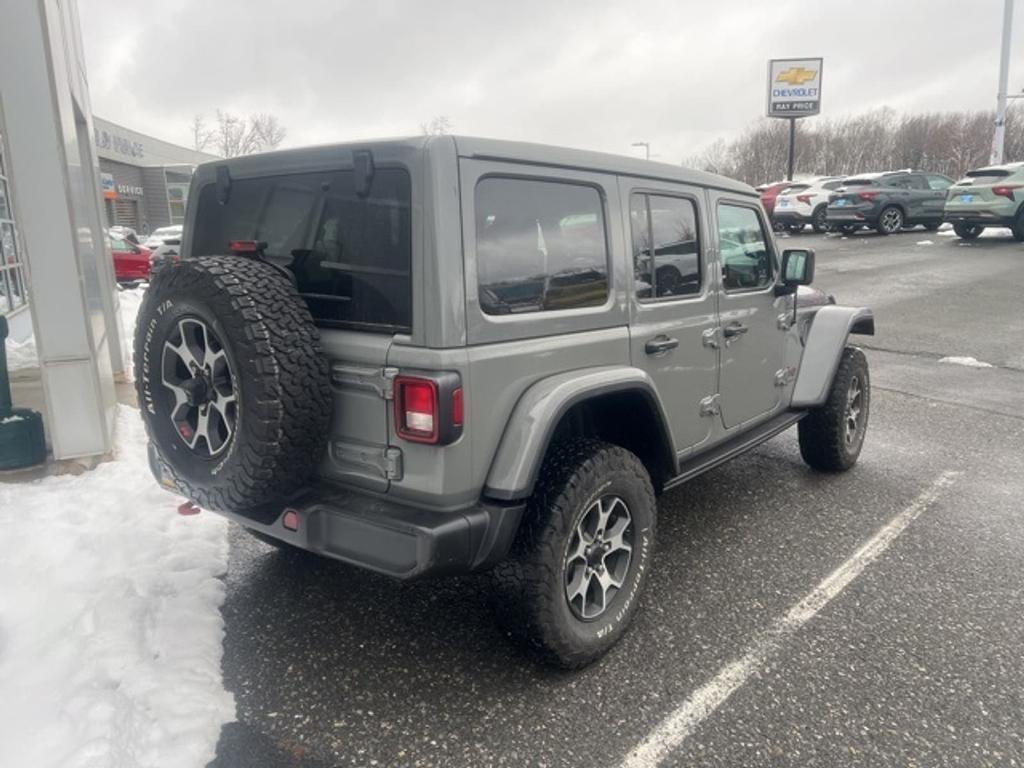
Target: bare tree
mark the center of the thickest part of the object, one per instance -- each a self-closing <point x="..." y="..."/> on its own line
<point x="201" y="135"/>
<point x="232" y="135"/>
<point x="438" y="126"/>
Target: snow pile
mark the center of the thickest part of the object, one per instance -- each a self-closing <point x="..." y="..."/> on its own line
<point x="110" y="630"/>
<point x="21" y="356"/>
<point x="129" y="311"/>
<point x="924" y="242"/>
<point x="970" y="362"/>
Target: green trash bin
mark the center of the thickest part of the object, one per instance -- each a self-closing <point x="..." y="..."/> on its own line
<point x="22" y="440"/>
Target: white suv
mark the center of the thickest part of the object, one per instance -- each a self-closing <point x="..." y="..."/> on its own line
<point x="805" y="203"/>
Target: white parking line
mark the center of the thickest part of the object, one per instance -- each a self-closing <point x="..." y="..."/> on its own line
<point x="703" y="702"/>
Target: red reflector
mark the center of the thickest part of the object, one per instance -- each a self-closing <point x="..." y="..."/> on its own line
<point x="290" y="520"/>
<point x="805" y="199"/>
<point x="245" y="246"/>
<point x="416" y="409"/>
<point x="457" y="407"/>
<point x="188" y="508"/>
<point x="869" y="196"/>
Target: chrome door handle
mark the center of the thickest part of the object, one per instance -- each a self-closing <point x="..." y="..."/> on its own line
<point x="659" y="345"/>
<point x="732" y="331"/>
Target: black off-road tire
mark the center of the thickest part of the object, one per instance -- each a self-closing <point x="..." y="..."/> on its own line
<point x="279" y="378"/>
<point x="823" y="432"/>
<point x="890" y="221"/>
<point x="967" y="231"/>
<point x="529" y="588"/>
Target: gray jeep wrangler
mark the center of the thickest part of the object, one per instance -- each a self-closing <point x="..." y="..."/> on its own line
<point x="443" y="355"/>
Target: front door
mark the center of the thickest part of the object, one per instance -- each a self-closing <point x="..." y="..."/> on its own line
<point x="753" y="334"/>
<point x="673" y="333"/>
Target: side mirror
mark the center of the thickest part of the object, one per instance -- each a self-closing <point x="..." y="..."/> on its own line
<point x="797" y="269"/>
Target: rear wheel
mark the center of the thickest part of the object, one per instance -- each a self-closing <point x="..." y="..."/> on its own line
<point x="846" y="229"/>
<point x="795" y="228"/>
<point x="818" y="221"/>
<point x="1018" y="226"/>
<point x="832" y="435"/>
<point x="570" y="587"/>
<point x="967" y="231"/>
<point x="890" y="220"/>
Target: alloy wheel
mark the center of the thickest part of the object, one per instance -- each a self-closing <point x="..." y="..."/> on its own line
<point x="196" y="371"/>
<point x="892" y="220"/>
<point x="598" y="557"/>
<point x="854" y="408"/>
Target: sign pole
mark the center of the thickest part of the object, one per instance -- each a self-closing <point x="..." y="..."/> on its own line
<point x="792" y="147"/>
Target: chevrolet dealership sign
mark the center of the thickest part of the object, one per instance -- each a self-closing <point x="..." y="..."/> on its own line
<point x="794" y="87"/>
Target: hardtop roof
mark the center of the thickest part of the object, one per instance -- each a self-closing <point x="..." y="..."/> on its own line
<point x="493" y="149"/>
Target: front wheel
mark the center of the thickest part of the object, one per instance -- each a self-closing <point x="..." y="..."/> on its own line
<point x="1017" y="228"/>
<point x="832" y="435"/>
<point x="890" y="221"/>
<point x="570" y="587"/>
<point x="967" y="231"/>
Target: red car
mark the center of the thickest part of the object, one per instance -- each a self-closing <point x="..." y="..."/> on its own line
<point x="771" y="191"/>
<point x="131" y="262"/>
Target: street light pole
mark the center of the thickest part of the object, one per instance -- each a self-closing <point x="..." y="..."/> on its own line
<point x="646" y="146"/>
<point x="1004" y="72"/>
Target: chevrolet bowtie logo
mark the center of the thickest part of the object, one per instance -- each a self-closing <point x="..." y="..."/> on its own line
<point x="796" y="76"/>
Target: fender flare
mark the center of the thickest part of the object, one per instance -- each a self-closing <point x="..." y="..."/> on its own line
<point x="823" y="347"/>
<point x="535" y="416"/>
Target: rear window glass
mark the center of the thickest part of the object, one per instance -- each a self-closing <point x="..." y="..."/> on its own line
<point x="832" y="184"/>
<point x="858" y="182"/>
<point x="983" y="176"/>
<point x="350" y="255"/>
<point x="540" y="245"/>
<point x="795" y="188"/>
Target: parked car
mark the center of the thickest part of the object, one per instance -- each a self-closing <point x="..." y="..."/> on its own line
<point x="506" y="385"/>
<point x="888" y="201"/>
<point x="769" y="192"/>
<point x="805" y="202"/>
<point x="168" y="252"/>
<point x="988" y="197"/>
<point x="131" y="262"/>
<point x="156" y="239"/>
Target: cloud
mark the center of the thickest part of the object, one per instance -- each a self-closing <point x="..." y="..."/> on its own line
<point x="676" y="73"/>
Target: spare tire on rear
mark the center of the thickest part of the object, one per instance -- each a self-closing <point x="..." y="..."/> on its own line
<point x="232" y="383"/>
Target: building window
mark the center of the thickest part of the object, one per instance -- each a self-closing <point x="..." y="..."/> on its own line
<point x="13" y="289"/>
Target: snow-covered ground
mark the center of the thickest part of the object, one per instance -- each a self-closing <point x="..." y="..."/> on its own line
<point x="110" y="626"/>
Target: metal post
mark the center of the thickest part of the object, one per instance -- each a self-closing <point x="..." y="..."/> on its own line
<point x="792" y="147"/>
<point x="5" y="385"/>
<point x="1004" y="70"/>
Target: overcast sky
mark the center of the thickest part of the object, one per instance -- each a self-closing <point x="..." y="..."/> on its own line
<point x="676" y="73"/>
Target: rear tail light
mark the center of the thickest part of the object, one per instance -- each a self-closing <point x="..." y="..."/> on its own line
<point x="867" y="196"/>
<point x="805" y="199"/>
<point x="429" y="409"/>
<point x="246" y="246"/>
<point x="1005" y="190"/>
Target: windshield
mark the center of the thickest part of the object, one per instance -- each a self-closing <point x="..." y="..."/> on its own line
<point x="350" y="255"/>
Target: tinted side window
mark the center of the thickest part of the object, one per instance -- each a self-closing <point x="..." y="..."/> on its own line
<point x="898" y="182"/>
<point x="540" y="245"/>
<point x="832" y="184"/>
<point x="939" y="182"/>
<point x="746" y="258"/>
<point x="350" y="255"/>
<point x="918" y="182"/>
<point x="672" y="267"/>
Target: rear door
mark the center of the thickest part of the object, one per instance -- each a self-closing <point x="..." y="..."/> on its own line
<point x="753" y="338"/>
<point x="350" y="254"/>
<point x="673" y="333"/>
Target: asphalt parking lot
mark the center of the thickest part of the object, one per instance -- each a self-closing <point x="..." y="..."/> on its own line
<point x="915" y="659"/>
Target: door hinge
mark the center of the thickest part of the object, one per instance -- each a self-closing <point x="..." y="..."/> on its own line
<point x="709" y="406"/>
<point x="709" y="338"/>
<point x="379" y="380"/>
<point x="784" y="376"/>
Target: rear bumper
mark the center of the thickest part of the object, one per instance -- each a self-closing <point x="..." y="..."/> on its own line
<point x="787" y="216"/>
<point x="850" y="216"/>
<point x="979" y="218"/>
<point x="391" y="538"/>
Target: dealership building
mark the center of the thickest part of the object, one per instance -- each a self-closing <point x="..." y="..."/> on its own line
<point x="144" y="179"/>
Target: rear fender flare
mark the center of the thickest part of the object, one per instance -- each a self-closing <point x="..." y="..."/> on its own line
<point x="823" y="347"/>
<point x="538" y="412"/>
